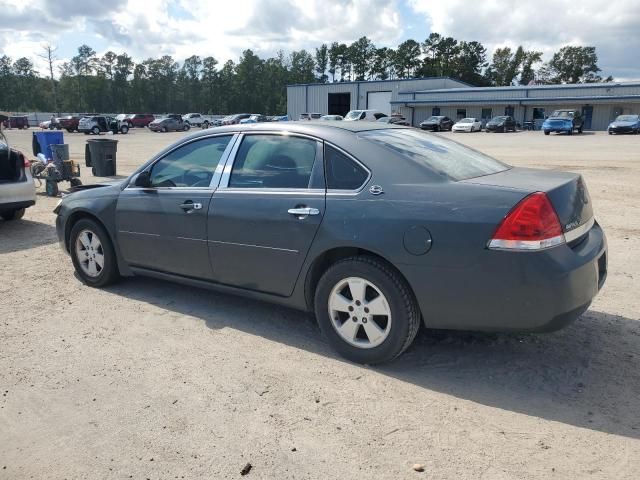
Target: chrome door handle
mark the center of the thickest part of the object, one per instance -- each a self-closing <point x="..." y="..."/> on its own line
<point x="303" y="211"/>
<point x="189" y="205"/>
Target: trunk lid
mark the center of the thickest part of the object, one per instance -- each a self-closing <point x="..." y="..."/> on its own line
<point x="566" y="191"/>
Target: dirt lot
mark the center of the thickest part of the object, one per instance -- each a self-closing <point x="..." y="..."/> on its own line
<point x="153" y="380"/>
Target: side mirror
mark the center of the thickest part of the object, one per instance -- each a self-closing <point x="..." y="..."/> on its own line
<point x="143" y="180"/>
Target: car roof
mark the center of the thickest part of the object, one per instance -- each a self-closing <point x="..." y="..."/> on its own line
<point x="320" y="129"/>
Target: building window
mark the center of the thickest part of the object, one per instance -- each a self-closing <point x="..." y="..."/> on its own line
<point x="435" y="111"/>
<point x="538" y="113"/>
<point x="461" y="113"/>
<point x="486" y="114"/>
<point x="509" y="110"/>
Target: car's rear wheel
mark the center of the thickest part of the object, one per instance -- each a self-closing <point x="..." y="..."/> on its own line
<point x="95" y="131"/>
<point x="547" y="132"/>
<point x="9" y="215"/>
<point x="92" y="253"/>
<point x="164" y="129"/>
<point x="366" y="310"/>
<point x="124" y="129"/>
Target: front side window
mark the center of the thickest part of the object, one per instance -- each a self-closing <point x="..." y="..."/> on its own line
<point x="443" y="158"/>
<point x="273" y="161"/>
<point x="191" y="165"/>
<point x="341" y="172"/>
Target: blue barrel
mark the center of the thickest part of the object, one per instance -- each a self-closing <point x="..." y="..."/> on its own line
<point x="42" y="142"/>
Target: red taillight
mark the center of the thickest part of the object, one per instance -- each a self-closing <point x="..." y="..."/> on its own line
<point x="27" y="163"/>
<point x="532" y="225"/>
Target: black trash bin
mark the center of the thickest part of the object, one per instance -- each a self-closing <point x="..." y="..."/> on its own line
<point x="102" y="156"/>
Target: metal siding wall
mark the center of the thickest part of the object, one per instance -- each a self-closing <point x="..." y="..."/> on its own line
<point x="318" y="99"/>
<point x="295" y="101"/>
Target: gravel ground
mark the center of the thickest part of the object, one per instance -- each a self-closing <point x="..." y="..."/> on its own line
<point x="148" y="379"/>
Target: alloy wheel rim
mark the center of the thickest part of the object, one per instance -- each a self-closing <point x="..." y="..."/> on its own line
<point x="90" y="253"/>
<point x="359" y="312"/>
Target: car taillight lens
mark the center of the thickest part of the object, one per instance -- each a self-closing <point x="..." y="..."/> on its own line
<point x="27" y="163"/>
<point x="532" y="225"/>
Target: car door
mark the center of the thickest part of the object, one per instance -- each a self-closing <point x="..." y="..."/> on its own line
<point x="265" y="214"/>
<point x="164" y="227"/>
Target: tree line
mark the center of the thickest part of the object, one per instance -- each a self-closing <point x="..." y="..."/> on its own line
<point x="115" y="83"/>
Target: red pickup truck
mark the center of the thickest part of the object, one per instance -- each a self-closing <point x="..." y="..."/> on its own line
<point x="140" y="119"/>
<point x="69" y="123"/>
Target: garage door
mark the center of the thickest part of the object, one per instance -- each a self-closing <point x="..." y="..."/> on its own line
<point x="379" y="101"/>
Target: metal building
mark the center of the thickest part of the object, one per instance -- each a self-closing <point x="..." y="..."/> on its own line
<point x="418" y="99"/>
<point x="339" y="98"/>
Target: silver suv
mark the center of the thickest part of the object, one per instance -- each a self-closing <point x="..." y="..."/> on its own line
<point x="17" y="190"/>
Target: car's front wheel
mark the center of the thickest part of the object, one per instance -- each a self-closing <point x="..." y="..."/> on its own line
<point x="9" y="215"/>
<point x="366" y="310"/>
<point x="124" y="129"/>
<point x="92" y="253"/>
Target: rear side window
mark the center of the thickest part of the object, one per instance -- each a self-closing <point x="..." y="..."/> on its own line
<point x="444" y="158"/>
<point x="273" y="161"/>
<point x="342" y="173"/>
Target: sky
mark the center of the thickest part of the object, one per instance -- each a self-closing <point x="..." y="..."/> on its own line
<point x="223" y="29"/>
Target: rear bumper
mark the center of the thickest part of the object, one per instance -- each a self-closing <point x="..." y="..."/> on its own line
<point x="17" y="205"/>
<point x="514" y="291"/>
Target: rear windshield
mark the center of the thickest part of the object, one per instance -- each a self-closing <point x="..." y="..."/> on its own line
<point x="443" y="157"/>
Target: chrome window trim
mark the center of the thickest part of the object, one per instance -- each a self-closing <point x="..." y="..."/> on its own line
<point x="226" y="175"/>
<point x="337" y="191"/>
<point x="215" y="179"/>
<point x="274" y="191"/>
<point x="577" y="232"/>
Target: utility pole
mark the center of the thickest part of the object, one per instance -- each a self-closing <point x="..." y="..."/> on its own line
<point x="49" y="56"/>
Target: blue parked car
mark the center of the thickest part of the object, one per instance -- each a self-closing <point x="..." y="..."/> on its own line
<point x="563" y="121"/>
<point x="625" y="124"/>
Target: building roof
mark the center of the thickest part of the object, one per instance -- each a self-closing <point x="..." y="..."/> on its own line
<point x="318" y="84"/>
<point x="527" y="87"/>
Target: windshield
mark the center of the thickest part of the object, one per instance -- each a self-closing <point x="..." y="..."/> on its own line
<point x="562" y="114"/>
<point x="443" y="157"/>
<point x="433" y="119"/>
<point x="353" y="115"/>
<point x="466" y="120"/>
<point x="627" y="118"/>
<point x="498" y="119"/>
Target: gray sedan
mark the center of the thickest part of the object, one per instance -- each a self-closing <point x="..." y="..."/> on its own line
<point x="375" y="228"/>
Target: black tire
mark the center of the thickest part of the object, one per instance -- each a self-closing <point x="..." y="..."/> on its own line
<point x="51" y="187"/>
<point x="187" y="127"/>
<point x="402" y="303"/>
<point x="124" y="129"/>
<point x="95" y="130"/>
<point x="164" y="129"/>
<point x="9" y="215"/>
<point x="547" y="132"/>
<point x="610" y="132"/>
<point x="75" y="182"/>
<point x="109" y="272"/>
<point x="70" y="130"/>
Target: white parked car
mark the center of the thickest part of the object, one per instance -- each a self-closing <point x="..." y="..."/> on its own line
<point x="467" y="125"/>
<point x="198" y="120"/>
<point x="17" y="190"/>
<point x="366" y="115"/>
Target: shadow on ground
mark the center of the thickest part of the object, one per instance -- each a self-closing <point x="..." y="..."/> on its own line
<point x="18" y="235"/>
<point x="587" y="375"/>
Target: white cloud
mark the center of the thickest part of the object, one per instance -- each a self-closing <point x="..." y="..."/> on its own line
<point x="613" y="27"/>
<point x="182" y="28"/>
